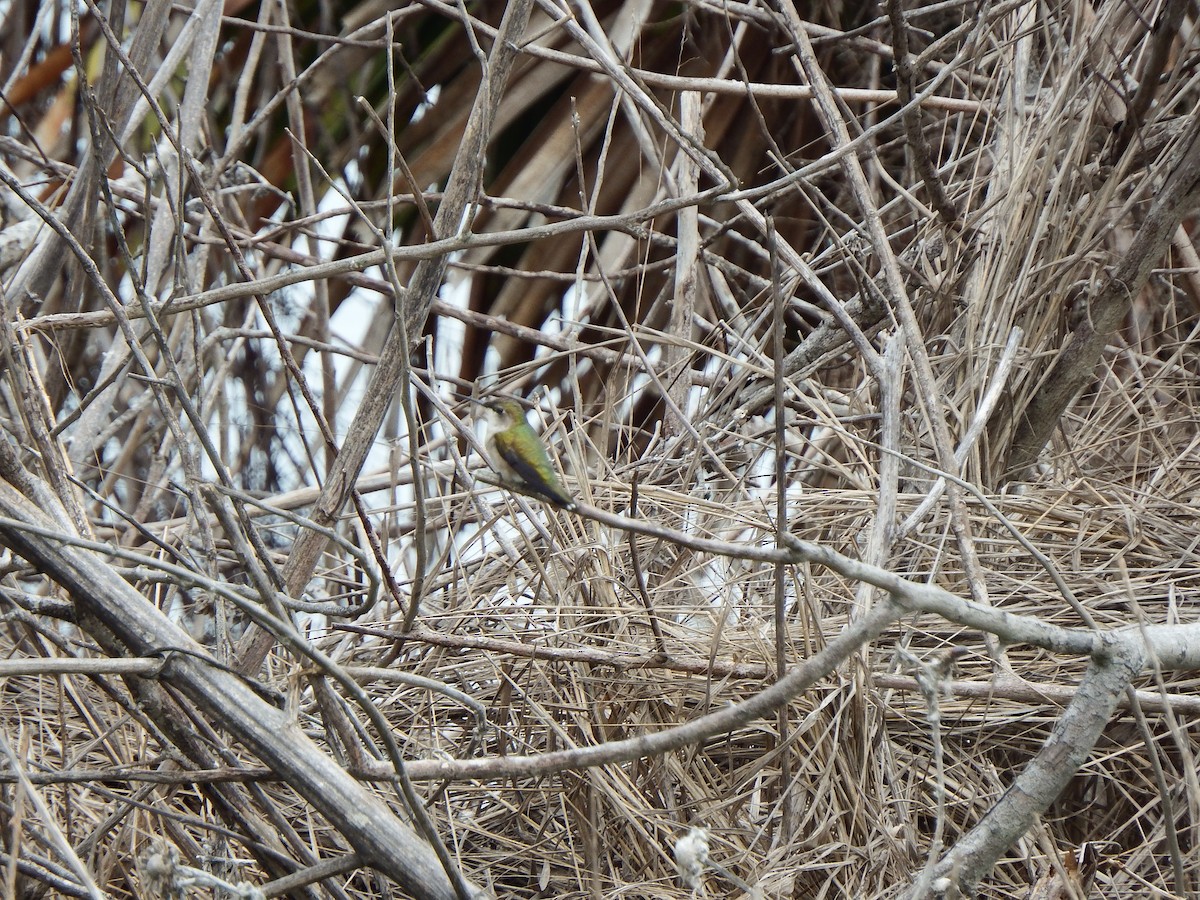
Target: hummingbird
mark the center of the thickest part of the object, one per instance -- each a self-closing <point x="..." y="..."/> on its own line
<point x="519" y="455"/>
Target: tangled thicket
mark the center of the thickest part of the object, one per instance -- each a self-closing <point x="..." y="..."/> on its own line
<point x="744" y="259"/>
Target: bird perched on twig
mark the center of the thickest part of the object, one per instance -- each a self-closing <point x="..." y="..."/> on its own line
<point x="519" y="456"/>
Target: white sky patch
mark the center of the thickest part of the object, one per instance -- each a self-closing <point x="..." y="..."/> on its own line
<point x="452" y="334"/>
<point x="572" y="308"/>
<point x="422" y="108"/>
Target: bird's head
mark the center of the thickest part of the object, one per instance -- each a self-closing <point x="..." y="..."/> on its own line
<point x="504" y="414"/>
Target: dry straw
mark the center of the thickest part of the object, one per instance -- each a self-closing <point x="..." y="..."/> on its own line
<point x="865" y="345"/>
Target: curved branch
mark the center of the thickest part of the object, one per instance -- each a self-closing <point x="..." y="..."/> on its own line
<point x="228" y="701"/>
<point x="1067" y="748"/>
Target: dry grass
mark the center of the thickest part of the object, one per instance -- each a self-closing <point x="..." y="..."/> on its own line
<point x="564" y="631"/>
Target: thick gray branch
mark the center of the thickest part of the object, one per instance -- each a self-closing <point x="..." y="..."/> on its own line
<point x="1067" y="748"/>
<point x="1074" y="366"/>
<point x="266" y="731"/>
